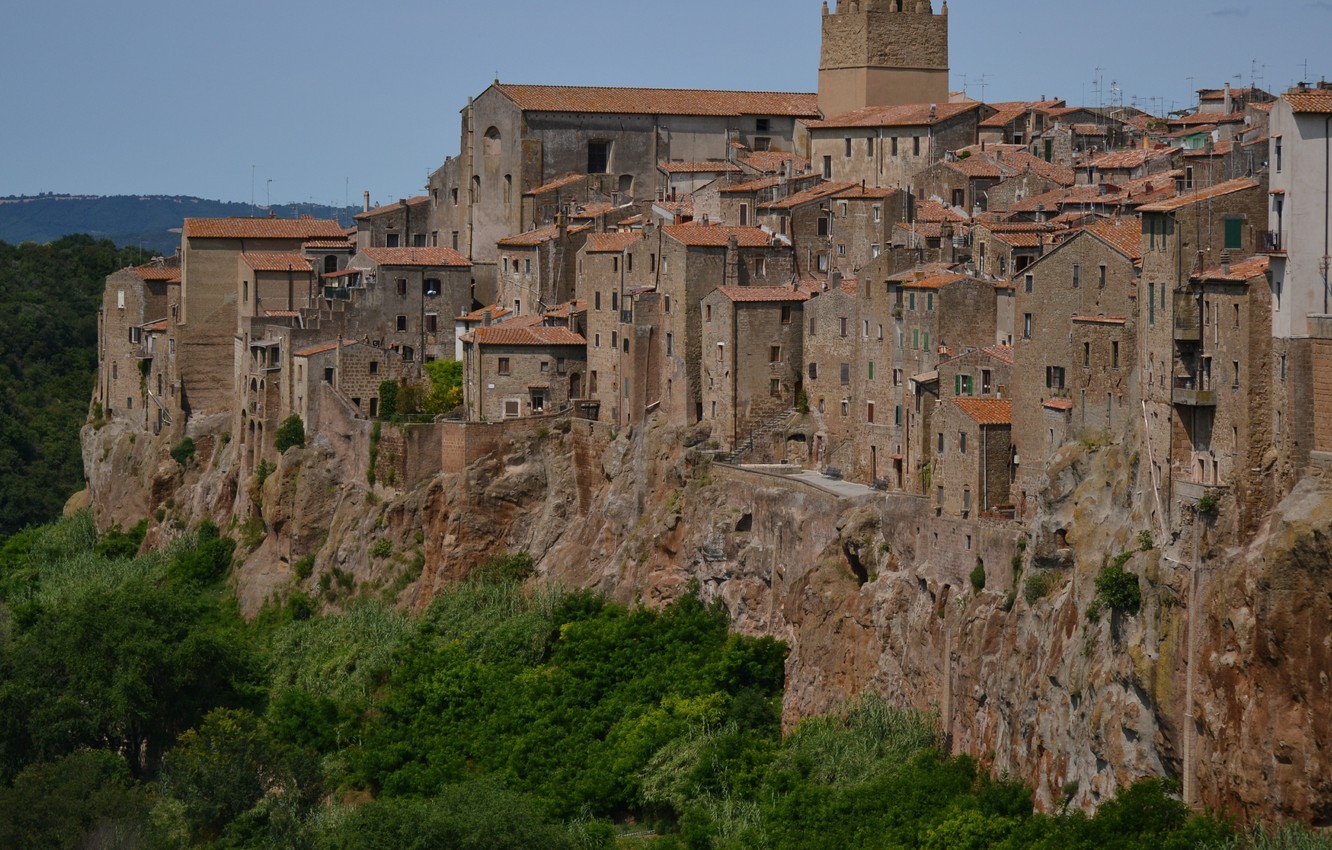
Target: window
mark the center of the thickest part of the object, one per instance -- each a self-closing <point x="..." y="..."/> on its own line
<point x="744" y="215"/>
<point x="596" y="300"/>
<point x="963" y="385"/>
<point x="543" y="367"/>
<point x="408" y="353"/>
<point x="986" y="377"/>
<point x="823" y="225"/>
<point x="670" y="344"/>
<point x="846" y="407"/>
<point x="1234" y="233"/>
<point x="402" y="323"/>
<point x="1283" y="367"/>
<point x="391" y="240"/>
<point x="328" y="374"/>
<point x="864" y="331"/>
<point x="962" y="442"/>
<point x="822" y="408"/>
<point x="812" y="325"/>
<point x="511" y="408"/>
<point x="813" y="371"/>
<point x="596" y="340"/>
<point x="926" y="344"/>
<point x="915" y="339"/>
<point x="1237" y="315"/>
<point x="1235" y="365"/>
<point x="847" y="152"/>
<point x="1030" y="282"/>
<point x="1151" y="303"/>
<point x="911" y="302"/>
<point x="878" y="213"/>
<point x="1100" y="281"/>
<point x="502" y="366"/>
<point x="929" y="302"/>
<point x="432" y="323"/>
<point x="418" y="240"/>
<point x="1276" y="153"/>
<point x="897" y="377"/>
<point x="760" y="267"/>
<point x="615" y="340"/>
<point x="893" y="144"/>
<point x="707" y="312"/>
<point x="874" y="252"/>
<point x="598" y="157"/>
<point x="842" y="321"/>
<point x="1054" y="377"/>
<point x="1077" y="275"/>
<point x="941" y="447"/>
<point x="775" y="388"/>
<point x="762" y="125"/>
<point x="136" y="335"/>
<point x="1114" y="355"/>
<point x="871" y="370"/>
<point x="374" y="367"/>
<point x="517" y="307"/>
<point x="915" y="145"/>
<point x="827" y="168"/>
<point x="1086" y="355"/>
<point x="455" y="240"/>
<point x="841" y="250"/>
<point x="880" y="333"/>
<point x="869" y="413"/>
<point x="897" y="415"/>
<point x="959" y="197"/>
<point x="845" y="372"/>
<point x="527" y="266"/>
<point x="652" y="263"/>
<point x="453" y="196"/>
<point x="775" y="354"/>
<point x="869" y="148"/>
<point x="1026" y="326"/>
<point x="786" y="314"/>
<point x="721" y="351"/>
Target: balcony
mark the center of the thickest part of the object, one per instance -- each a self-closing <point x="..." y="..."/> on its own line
<point x="1187" y="326"/>
<point x="1188" y="394"/>
<point x="1269" y="242"/>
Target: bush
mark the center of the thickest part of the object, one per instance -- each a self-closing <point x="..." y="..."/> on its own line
<point x="304" y="567"/>
<point x="381" y="548"/>
<point x="501" y="569"/>
<point x="388" y="399"/>
<point x="1208" y="506"/>
<point x="183" y="452"/>
<point x="1145" y="542"/>
<point x="122" y="544"/>
<point x="1116" y="589"/>
<point x="978" y="576"/>
<point x="290" y="433"/>
<point x="1038" y="586"/>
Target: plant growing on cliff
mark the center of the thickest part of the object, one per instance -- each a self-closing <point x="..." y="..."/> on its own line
<point x="1208" y="505"/>
<point x="388" y="399"/>
<point x="978" y="576"/>
<point x="1145" y="541"/>
<point x="183" y="452"/>
<point x="802" y="403"/>
<point x="1116" y="589"/>
<point x="1038" y="586"/>
<point x="290" y="433"/>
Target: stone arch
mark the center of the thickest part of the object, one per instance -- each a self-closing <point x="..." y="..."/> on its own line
<point x="490" y="144"/>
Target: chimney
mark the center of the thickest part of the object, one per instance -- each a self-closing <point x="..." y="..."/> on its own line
<point x="835" y="280"/>
<point x="485" y="319"/>
<point x="1230" y="101"/>
<point x="1225" y="262"/>
<point x="366" y="203"/>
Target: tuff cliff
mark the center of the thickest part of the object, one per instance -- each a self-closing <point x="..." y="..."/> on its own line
<point x="1220" y="679"/>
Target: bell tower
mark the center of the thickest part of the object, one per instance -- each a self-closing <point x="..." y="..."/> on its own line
<point x="883" y="53"/>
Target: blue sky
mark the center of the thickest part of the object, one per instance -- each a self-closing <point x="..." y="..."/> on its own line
<point x="328" y="98"/>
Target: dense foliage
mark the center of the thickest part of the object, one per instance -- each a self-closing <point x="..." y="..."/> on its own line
<point x="138" y="711"/>
<point x="51" y="295"/>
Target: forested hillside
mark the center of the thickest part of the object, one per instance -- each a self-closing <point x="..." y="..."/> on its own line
<point x="48" y="359"/>
<point x="148" y="222"/>
<point x="137" y="710"/>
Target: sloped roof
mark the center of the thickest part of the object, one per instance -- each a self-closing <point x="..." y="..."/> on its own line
<point x="1002" y="353"/>
<point x="1241" y="272"/>
<point x="612" y="243"/>
<point x="539" y="335"/>
<point x="713" y="167"/>
<point x="1122" y="234"/>
<point x="647" y="101"/>
<point x="557" y="183"/>
<point x="328" y="346"/>
<point x="813" y="193"/>
<point x="906" y="115"/>
<point x="987" y="411"/>
<point x="770" y="162"/>
<point x="540" y="236"/>
<point x="717" y="236"/>
<point x="263" y="228"/>
<point x="762" y="293"/>
<point x="394" y="207"/>
<point x="153" y="272"/>
<point x="275" y="261"/>
<point x="424" y="257"/>
<point x="1219" y="190"/>
<point x="1315" y="101"/>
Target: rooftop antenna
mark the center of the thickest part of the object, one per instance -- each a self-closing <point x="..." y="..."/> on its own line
<point x="984" y="84"/>
<point x="1305" y="78"/>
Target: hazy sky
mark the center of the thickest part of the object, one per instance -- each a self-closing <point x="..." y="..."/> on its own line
<point x="328" y="98"/>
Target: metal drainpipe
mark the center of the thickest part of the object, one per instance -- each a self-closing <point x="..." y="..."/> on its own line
<point x="1327" y="209"/>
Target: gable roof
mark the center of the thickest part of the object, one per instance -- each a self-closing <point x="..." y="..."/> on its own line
<point x="613" y="242"/>
<point x="156" y="273"/>
<point x="540" y="236"/>
<point x="1217" y="191"/>
<point x="1240" y="272"/>
<point x="328" y="346"/>
<point x="813" y="193"/>
<point x="1315" y="101"/>
<point x="395" y="207"/>
<point x="506" y="334"/>
<point x="712" y="167"/>
<point x="557" y="183"/>
<point x="263" y="228"/>
<point x="423" y="257"/>
<point x="752" y="294"/>
<point x="647" y="101"/>
<point x="276" y="261"/>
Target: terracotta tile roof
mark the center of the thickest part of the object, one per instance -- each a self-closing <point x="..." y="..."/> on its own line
<point x="1207" y="118"/>
<point x="153" y="273"/>
<point x="1122" y="234"/>
<point x="1192" y="131"/>
<point x="762" y="293"/>
<point x="640" y="101"/>
<point x="1004" y="117"/>
<point x="713" y="236"/>
<point x="612" y="243"/>
<point x="539" y="335"/>
<point x="1241" y="272"/>
<point x="987" y="411"/>
<point x="1003" y="353"/>
<point x="936" y="281"/>
<point x="1020" y="240"/>
<point x="328" y="346"/>
<point x="263" y="228"/>
<point x="282" y="314"/>
<point x="697" y="167"/>
<point x="682" y="207"/>
<point x="1129" y="159"/>
<point x="810" y="195"/>
<point x="1315" y="101"/>
<point x="1061" y="404"/>
<point x="424" y="257"/>
<point x="770" y="162"/>
<point x="1261" y="107"/>
<point x="1209" y="95"/>
<point x="557" y="183"/>
<point x="929" y="270"/>
<point x="157" y="327"/>
<point x="935" y="211"/>
<point x="1089" y="129"/>
<point x="908" y="115"/>
<point x="591" y="211"/>
<point x="567" y="309"/>
<point x="343" y="273"/>
<point x="496" y="313"/>
<point x="1019" y="226"/>
<point x="540" y="236"/>
<point x="921" y="229"/>
<point x="1100" y="320"/>
<point x="394" y="207"/>
<point x="1217" y="191"/>
<point x="751" y="186"/>
<point x="1220" y="148"/>
<point x="327" y="244"/>
<point x="867" y="193"/>
<point x="275" y="261"/>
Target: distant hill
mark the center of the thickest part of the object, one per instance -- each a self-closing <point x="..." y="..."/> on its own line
<point x="152" y="221"/>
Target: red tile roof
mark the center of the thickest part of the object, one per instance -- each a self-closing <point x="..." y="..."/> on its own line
<point x="1122" y="234"/>
<point x="394" y="207"/>
<point x="156" y="273"/>
<point x="1240" y="272"/>
<point x="1061" y="404"/>
<point x="328" y="244"/>
<point x="935" y="211"/>
<point x="328" y="346"/>
<point x="558" y="183"/>
<point x="762" y="293"/>
<point x="612" y="243"/>
<point x="282" y="314"/>
<point x="1020" y="240"/>
<point x="929" y="270"/>
<point x="1315" y="101"/>
<point x="751" y="185"/>
<point x="713" y="167"/>
<point x="423" y="257"/>
<point x="1207" y="118"/>
<point x="640" y="101"/>
<point x="908" y="115"/>
<point x="263" y="228"/>
<point x="987" y="411"/>
<point x="590" y="211"/>
<point x="867" y="193"/>
<point x="274" y="261"/>
<point x="508" y="335"/>
<point x="1216" y="191"/>
<point x="770" y="162"/>
<point x="1129" y="159"/>
<point x="713" y="236"/>
<point x="683" y="207"/>
<point x="496" y="313"/>
<point x="814" y="193"/>
<point x="935" y="281"/>
<point x="540" y="236"/>
<point x="1003" y="353"/>
<point x="157" y="326"/>
<point x="565" y="310"/>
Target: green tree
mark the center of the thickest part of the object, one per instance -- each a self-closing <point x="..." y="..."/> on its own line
<point x="445" y="392"/>
<point x="86" y="799"/>
<point x="290" y="433"/>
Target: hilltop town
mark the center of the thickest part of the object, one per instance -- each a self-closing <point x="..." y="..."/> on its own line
<point x="1014" y="333"/>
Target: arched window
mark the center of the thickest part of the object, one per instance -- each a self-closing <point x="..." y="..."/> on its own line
<point x="476" y="187"/>
<point x="508" y="187"/>
<point x="490" y="145"/>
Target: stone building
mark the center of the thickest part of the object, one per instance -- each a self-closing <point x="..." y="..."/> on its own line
<point x="405" y="224"/>
<point x="518" y="138"/>
<point x="1181" y="236"/>
<point x="1076" y="347"/>
<point x="972" y="466"/>
<point x="537" y="268"/>
<point x="412" y="297"/>
<point x="610" y="270"/>
<point x="888" y="145"/>
<point x="133" y="380"/>
<point x="882" y="53"/>
<point x="511" y="370"/>
<point x="752" y="356"/>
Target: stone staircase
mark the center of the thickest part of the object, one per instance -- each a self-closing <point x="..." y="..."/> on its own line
<point x="758" y="437"/>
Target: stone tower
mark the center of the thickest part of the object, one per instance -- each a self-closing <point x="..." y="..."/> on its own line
<point x="883" y="53"/>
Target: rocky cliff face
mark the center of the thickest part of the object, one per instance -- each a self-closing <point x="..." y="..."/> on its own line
<point x="1221" y="677"/>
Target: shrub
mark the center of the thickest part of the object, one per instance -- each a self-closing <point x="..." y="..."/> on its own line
<point x="978" y="577"/>
<point x="1038" y="586"/>
<point x="500" y="569"/>
<point x="1145" y="541"/>
<point x="381" y="548"/>
<point x="1116" y="589"/>
<point x="304" y="567"/>
<point x="122" y="544"/>
<point x="290" y="433"/>
<point x="262" y="471"/>
<point x="1208" y="505"/>
<point x="388" y="399"/>
<point x="183" y="452"/>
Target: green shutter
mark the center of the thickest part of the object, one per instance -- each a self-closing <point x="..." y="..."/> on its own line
<point x="957" y="385"/>
<point x="1151" y="303"/>
<point x="1234" y="233"/>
